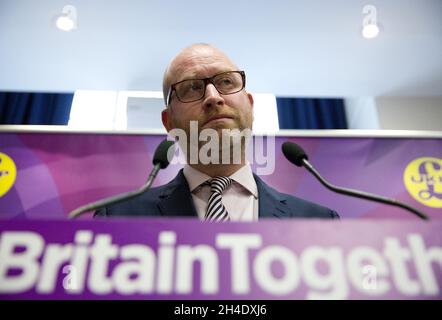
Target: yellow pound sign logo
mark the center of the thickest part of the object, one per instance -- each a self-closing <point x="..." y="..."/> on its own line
<point x="8" y="172"/>
<point x="423" y="180"/>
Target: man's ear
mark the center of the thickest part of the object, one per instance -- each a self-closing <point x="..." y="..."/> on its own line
<point x="249" y="95"/>
<point x="166" y="117"/>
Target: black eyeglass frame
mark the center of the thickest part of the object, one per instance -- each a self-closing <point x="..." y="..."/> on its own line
<point x="206" y="82"/>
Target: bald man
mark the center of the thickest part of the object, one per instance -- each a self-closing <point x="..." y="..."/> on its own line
<point x="203" y="87"/>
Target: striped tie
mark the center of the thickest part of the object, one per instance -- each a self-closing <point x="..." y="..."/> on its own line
<point x="215" y="208"/>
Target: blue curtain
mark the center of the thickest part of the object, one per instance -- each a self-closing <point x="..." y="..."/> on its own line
<point x="306" y="113"/>
<point x="35" y="108"/>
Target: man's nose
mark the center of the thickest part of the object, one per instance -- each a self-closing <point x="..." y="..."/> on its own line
<point x="212" y="97"/>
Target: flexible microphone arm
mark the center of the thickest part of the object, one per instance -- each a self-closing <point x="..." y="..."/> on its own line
<point x="112" y="200"/>
<point x="164" y="151"/>
<point x="296" y="155"/>
<point x="361" y="194"/>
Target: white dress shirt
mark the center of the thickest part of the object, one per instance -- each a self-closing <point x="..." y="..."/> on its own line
<point x="240" y="198"/>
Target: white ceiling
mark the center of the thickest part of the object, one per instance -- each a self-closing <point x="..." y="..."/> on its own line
<point x="290" y="48"/>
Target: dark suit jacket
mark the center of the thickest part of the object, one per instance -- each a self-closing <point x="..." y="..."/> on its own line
<point x="175" y="199"/>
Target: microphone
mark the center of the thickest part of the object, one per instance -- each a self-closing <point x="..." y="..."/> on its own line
<point x="296" y="155"/>
<point x="160" y="161"/>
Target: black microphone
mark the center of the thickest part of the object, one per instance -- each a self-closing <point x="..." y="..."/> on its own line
<point x="164" y="151"/>
<point x="296" y="155"/>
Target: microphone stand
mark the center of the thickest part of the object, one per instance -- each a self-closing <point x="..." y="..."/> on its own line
<point x="112" y="200"/>
<point x="361" y="194"/>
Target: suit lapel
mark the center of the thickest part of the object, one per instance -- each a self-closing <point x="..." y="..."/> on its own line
<point x="176" y="199"/>
<point x="271" y="203"/>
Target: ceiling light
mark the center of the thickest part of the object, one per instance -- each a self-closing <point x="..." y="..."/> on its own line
<point x="370" y="31"/>
<point x="370" y="27"/>
<point x="67" y="21"/>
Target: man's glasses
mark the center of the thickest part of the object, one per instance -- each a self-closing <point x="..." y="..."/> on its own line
<point x="194" y="89"/>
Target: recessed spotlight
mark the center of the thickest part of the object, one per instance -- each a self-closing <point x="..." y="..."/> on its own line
<point x="370" y="31"/>
<point x="67" y="21"/>
<point x="370" y="26"/>
<point x="64" y="23"/>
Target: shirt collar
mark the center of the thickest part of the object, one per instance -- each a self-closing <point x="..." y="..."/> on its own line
<point x="243" y="177"/>
<point x="194" y="177"/>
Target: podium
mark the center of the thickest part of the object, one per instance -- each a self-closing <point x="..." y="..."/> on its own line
<point x="52" y="171"/>
<point x="182" y="259"/>
<point x="47" y="172"/>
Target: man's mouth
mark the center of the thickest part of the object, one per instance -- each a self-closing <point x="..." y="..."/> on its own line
<point x="218" y="117"/>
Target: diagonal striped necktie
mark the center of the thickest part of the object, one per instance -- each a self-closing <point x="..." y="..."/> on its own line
<point x="215" y="208"/>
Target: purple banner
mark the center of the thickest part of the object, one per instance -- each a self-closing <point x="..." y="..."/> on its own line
<point x="167" y="259"/>
<point x="47" y="175"/>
